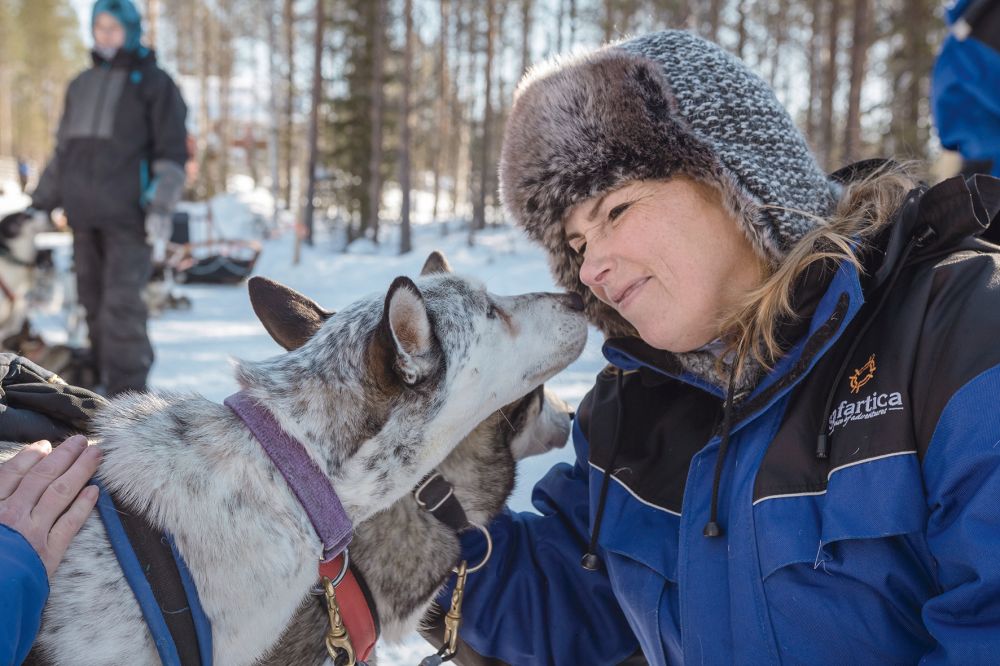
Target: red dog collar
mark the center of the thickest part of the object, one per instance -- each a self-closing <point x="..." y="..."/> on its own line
<point x="357" y="609"/>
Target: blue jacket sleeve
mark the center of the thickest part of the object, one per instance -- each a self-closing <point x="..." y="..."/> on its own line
<point x="962" y="479"/>
<point x="533" y="603"/>
<point x="24" y="588"/>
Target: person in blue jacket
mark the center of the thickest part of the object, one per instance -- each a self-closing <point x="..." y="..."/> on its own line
<point x="792" y="456"/>
<point x="44" y="501"/>
<point x="965" y="89"/>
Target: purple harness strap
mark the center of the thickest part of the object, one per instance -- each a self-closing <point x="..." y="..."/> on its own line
<point x="304" y="477"/>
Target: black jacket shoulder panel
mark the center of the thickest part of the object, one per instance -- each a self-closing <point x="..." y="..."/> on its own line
<point x="937" y="332"/>
<point x="663" y="425"/>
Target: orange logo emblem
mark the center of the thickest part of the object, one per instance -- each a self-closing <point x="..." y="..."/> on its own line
<point x="863" y="375"/>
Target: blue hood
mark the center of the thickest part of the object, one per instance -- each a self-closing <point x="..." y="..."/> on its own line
<point x="126" y="14"/>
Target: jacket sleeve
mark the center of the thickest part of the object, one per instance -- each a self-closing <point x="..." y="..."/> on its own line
<point x="46" y="194"/>
<point x="533" y="603"/>
<point x="962" y="479"/>
<point x="24" y="588"/>
<point x="168" y="115"/>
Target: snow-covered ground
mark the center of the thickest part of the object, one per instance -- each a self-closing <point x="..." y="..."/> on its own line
<point x="194" y="348"/>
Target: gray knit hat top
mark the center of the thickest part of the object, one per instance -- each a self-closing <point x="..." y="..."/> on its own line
<point x="649" y="108"/>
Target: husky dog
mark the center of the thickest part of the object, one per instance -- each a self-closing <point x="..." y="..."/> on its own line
<point x="378" y="394"/>
<point x="404" y="554"/>
<point x="17" y="267"/>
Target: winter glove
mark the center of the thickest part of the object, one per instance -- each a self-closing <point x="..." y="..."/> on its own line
<point x="35" y="404"/>
<point x="159" y="228"/>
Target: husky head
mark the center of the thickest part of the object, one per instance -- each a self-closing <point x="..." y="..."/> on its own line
<point x="18" y="232"/>
<point x="381" y="391"/>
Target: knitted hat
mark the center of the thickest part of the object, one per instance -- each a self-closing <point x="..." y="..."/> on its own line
<point x="649" y="108"/>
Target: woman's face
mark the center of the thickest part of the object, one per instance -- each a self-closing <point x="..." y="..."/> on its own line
<point x="667" y="256"/>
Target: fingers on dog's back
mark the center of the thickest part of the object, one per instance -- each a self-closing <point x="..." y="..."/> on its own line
<point x="65" y="489"/>
<point x="54" y="465"/>
<point x="15" y="469"/>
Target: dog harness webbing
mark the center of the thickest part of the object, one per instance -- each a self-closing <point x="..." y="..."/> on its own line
<point x="161" y="583"/>
<point x="436" y="495"/>
<point x="308" y="483"/>
<point x="357" y="607"/>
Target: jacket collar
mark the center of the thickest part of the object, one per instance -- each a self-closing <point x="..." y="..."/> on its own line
<point x="123" y="59"/>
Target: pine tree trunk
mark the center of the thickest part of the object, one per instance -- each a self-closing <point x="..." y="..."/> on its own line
<point x="225" y="78"/>
<point x="830" y="85"/>
<point x="459" y="158"/>
<point x="6" y="109"/>
<point x="814" y="54"/>
<point x="741" y="29"/>
<point x="405" y="243"/>
<point x="152" y="19"/>
<point x="526" y="7"/>
<point x="317" y="98"/>
<point x="714" y="19"/>
<point x="289" y="19"/>
<point x="560" y="14"/>
<point x="274" y="134"/>
<point x="479" y="210"/>
<point x="375" y="154"/>
<point x="572" y="23"/>
<point x="859" y="58"/>
<point x="608" y="22"/>
<point x="204" y="123"/>
<point x="441" y="110"/>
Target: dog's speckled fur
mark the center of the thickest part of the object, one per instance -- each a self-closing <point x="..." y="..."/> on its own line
<point x="377" y="405"/>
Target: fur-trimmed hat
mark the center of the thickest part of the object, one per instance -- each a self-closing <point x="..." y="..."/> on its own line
<point x="649" y="108"/>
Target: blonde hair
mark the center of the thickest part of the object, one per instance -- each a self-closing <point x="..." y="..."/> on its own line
<point x="750" y="328"/>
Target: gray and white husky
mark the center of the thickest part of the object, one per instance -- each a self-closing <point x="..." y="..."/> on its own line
<point x="404" y="554"/>
<point x="379" y="394"/>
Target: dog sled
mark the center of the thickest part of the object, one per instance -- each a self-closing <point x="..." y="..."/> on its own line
<point x="214" y="262"/>
<point x="209" y="261"/>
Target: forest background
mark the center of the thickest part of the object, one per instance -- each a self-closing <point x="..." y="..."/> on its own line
<point x="340" y="106"/>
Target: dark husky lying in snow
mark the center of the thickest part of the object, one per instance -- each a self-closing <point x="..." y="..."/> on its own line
<point x="378" y="395"/>
<point x="404" y="554"/>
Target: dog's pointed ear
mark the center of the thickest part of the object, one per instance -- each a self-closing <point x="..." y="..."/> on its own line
<point x="288" y="316"/>
<point x="408" y="329"/>
<point x="436" y="263"/>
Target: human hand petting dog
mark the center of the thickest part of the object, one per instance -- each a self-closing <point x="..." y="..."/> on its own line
<point x="41" y="496"/>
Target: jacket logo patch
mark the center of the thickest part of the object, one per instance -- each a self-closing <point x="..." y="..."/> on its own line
<point x="863" y="375"/>
<point x="874" y="405"/>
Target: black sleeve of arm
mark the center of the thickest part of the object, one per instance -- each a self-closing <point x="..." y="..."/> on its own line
<point x="168" y="115"/>
<point x="46" y="195"/>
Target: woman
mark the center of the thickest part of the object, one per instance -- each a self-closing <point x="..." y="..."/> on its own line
<point x="792" y="457"/>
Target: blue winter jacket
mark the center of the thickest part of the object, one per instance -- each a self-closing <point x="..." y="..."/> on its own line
<point x="965" y="91"/>
<point x="24" y="587"/>
<point x="885" y="552"/>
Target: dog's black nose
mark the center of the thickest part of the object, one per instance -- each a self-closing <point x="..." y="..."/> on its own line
<point x="574" y="302"/>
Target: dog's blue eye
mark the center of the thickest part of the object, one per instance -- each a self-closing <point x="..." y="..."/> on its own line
<point x="491" y="311"/>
